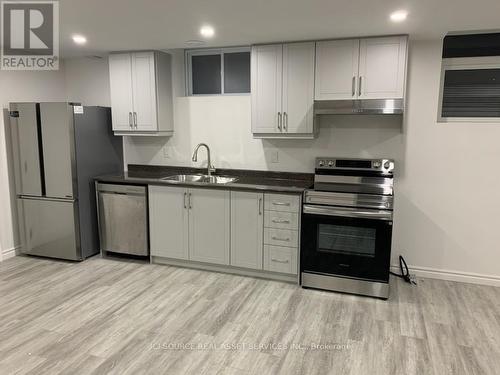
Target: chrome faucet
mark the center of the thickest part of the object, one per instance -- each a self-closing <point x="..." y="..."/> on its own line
<point x="210" y="168"/>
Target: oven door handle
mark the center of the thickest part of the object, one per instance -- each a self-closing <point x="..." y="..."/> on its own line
<point x="348" y="212"/>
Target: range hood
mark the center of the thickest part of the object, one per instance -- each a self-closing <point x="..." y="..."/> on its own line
<point x="359" y="106"/>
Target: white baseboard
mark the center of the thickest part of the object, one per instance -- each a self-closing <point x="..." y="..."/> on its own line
<point x="9" y="253"/>
<point x="464" y="277"/>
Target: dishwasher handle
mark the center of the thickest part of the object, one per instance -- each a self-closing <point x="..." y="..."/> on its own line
<point x="121" y="189"/>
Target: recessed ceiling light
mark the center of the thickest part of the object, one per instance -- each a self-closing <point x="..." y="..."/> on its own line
<point x="399" y="15"/>
<point x="79" y="39"/>
<point x="207" y="31"/>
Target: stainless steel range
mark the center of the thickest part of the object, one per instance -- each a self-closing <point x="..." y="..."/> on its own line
<point x="347" y="226"/>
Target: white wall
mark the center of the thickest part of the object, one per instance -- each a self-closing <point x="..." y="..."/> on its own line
<point x="447" y="194"/>
<point x="87" y="81"/>
<point x="224" y="123"/>
<point x="20" y="86"/>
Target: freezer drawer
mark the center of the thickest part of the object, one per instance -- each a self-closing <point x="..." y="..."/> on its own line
<point x="123" y="225"/>
<point x="50" y="228"/>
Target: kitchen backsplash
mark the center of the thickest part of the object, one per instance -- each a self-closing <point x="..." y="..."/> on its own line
<point x="223" y="122"/>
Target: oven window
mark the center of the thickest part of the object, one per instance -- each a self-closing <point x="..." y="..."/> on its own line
<point x="346" y="240"/>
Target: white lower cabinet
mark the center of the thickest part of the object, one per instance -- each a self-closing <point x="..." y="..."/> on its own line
<point x="245" y="229"/>
<point x="281" y="237"/>
<point x="168" y="222"/>
<point x="280" y="259"/>
<point x="281" y="233"/>
<point x="189" y="224"/>
<point x="209" y="225"/>
<point x="247" y="225"/>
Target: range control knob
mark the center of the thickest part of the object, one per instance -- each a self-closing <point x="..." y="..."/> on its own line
<point x="321" y="163"/>
<point x="387" y="165"/>
<point x="376" y="164"/>
<point x="330" y="163"/>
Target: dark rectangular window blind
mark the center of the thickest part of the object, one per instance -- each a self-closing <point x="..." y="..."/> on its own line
<point x="471" y="45"/>
<point x="471" y="93"/>
<point x="237" y="72"/>
<point x="206" y="74"/>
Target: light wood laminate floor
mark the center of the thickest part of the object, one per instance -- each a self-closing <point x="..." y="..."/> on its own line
<point x="105" y="316"/>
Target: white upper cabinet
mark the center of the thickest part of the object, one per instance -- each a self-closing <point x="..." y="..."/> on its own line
<point x="144" y="91"/>
<point x="382" y="68"/>
<point x="266" y="86"/>
<point x="336" y="69"/>
<point x="120" y="80"/>
<point x="247" y="226"/>
<point x="283" y="90"/>
<point x="298" y="88"/>
<point x="141" y="93"/>
<point x="371" y="68"/>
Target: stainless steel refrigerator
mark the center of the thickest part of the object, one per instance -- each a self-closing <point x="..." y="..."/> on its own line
<point x="57" y="150"/>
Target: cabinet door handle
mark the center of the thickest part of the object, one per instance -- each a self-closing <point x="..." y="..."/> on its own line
<point x="353" y="85"/>
<point x="285" y="121"/>
<point x="281" y="221"/>
<point x="185" y="200"/>
<point x="282" y="204"/>
<point x="280" y="239"/>
<point x="279" y="121"/>
<point x="360" y="85"/>
<point x="135" y="119"/>
<point x="190" y="206"/>
<point x="279" y="260"/>
<point x="130" y="119"/>
<point x="260" y="206"/>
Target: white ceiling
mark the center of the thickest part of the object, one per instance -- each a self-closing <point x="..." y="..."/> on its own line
<point x="112" y="25"/>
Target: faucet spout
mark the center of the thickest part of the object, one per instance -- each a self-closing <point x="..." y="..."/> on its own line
<point x="210" y="167"/>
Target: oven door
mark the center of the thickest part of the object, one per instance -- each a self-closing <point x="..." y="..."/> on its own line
<point x="347" y="242"/>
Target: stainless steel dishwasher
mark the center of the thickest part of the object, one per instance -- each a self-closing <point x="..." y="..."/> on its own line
<point x="123" y="219"/>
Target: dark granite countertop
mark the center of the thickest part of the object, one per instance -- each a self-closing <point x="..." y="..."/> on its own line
<point x="286" y="182"/>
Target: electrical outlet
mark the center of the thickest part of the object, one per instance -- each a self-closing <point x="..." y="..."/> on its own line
<point x="275" y="157"/>
<point x="166" y="152"/>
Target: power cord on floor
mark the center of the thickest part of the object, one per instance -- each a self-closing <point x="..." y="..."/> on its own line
<point x="405" y="272"/>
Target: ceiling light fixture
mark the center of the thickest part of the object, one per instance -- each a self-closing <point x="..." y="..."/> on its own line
<point x="79" y="39"/>
<point x="399" y="16"/>
<point x="207" y="31"/>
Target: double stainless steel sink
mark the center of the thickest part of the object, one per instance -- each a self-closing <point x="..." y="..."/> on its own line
<point x="200" y="179"/>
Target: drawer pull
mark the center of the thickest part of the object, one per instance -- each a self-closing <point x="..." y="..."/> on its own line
<point x="281" y="221"/>
<point x="282" y="204"/>
<point x="280" y="239"/>
<point x="279" y="260"/>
